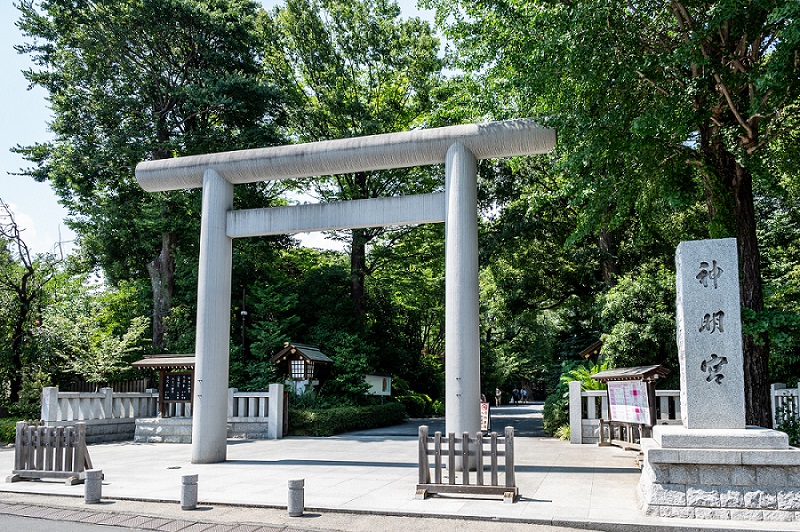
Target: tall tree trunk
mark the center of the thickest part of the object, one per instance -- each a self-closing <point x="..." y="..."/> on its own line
<point x="162" y="279"/>
<point x="608" y="256"/>
<point x="358" y="268"/>
<point x="15" y="379"/>
<point x="730" y="194"/>
<point x="756" y="355"/>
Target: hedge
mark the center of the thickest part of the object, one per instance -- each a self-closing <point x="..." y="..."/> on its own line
<point x="331" y="421"/>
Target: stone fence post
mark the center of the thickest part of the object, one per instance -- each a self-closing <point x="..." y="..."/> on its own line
<point x="275" y="412"/>
<point x="49" y="404"/>
<point x="108" y="403"/>
<point x="575" y="413"/>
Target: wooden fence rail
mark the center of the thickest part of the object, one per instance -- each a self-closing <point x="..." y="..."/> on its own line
<point x="452" y="455"/>
<point x="50" y="452"/>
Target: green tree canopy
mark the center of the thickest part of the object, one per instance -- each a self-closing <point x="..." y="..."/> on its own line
<point x="655" y="103"/>
<point x="143" y="79"/>
<point x="356" y="69"/>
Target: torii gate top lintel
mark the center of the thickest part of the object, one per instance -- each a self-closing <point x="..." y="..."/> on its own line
<point x="418" y="147"/>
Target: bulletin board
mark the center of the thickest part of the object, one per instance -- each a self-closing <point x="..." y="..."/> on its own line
<point x="627" y="401"/>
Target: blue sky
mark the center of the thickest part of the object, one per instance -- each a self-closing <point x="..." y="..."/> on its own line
<point x="24" y="116"/>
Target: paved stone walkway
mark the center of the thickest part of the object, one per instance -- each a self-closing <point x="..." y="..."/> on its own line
<point x="361" y="481"/>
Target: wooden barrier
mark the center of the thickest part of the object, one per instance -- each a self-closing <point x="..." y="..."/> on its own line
<point x="462" y="455"/>
<point x="50" y="452"/>
<point x="622" y="434"/>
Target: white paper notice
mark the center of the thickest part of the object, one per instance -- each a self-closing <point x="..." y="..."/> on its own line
<point x="628" y="402"/>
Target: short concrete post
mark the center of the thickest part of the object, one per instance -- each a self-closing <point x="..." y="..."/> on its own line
<point x="93" y="486"/>
<point x="296" y="497"/>
<point x="575" y="413"/>
<point x="773" y="392"/>
<point x="189" y="492"/>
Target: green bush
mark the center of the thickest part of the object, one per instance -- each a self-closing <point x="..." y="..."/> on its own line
<point x="8" y="429"/>
<point x="332" y="421"/>
<point x="555" y="413"/>
<point x="416" y="404"/>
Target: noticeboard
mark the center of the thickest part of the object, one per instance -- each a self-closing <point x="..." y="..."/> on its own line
<point x="485" y="419"/>
<point x="177" y="387"/>
<point x="627" y="401"/>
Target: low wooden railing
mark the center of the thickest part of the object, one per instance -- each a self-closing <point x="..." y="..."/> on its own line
<point x="461" y="454"/>
<point x="50" y="452"/>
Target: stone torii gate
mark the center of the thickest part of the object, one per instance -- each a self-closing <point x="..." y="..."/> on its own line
<point x="458" y="147"/>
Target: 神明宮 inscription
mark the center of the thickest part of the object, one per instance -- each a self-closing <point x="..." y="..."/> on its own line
<point x="709" y="334"/>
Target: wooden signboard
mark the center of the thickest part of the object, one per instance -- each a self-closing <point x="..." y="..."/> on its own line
<point x="177" y="387"/>
<point x="627" y="402"/>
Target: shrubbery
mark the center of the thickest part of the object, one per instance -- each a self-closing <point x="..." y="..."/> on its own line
<point x="331" y="421"/>
<point x="421" y="405"/>
<point x="8" y="429"/>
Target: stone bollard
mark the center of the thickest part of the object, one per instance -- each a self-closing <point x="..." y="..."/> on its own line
<point x="189" y="492"/>
<point x="93" y="486"/>
<point x="296" y="497"/>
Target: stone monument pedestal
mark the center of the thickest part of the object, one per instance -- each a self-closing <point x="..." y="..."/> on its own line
<point x="742" y="474"/>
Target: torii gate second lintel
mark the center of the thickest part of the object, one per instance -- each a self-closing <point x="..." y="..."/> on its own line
<point x="458" y="147"/>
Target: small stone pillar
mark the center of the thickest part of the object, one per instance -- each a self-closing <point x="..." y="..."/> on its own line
<point x="93" y="486"/>
<point x="296" y="497"/>
<point x="189" y="492"/>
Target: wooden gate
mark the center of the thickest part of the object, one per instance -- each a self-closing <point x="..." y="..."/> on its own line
<point x="50" y="452"/>
<point x="452" y="455"/>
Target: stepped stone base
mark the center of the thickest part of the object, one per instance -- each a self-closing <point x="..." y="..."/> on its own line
<point x="749" y="474"/>
<point x="163" y="430"/>
<point x="179" y="430"/>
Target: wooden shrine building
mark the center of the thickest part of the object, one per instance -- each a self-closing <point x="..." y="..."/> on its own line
<point x="176" y="377"/>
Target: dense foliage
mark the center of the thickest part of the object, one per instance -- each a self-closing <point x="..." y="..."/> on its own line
<point x="676" y="121"/>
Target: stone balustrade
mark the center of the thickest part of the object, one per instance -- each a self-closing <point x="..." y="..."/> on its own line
<point x="111" y="416"/>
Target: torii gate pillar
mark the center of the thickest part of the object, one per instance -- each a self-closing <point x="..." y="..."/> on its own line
<point x="462" y="305"/>
<point x="212" y="342"/>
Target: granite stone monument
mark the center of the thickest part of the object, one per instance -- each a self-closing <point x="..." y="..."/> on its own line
<point x="714" y="466"/>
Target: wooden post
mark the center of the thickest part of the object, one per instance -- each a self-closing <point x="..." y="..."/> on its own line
<point x="509" y="467"/>
<point x="493" y="456"/>
<point x="19" y="444"/>
<point x="465" y="458"/>
<point x="424" y="471"/>
<point x="451" y="458"/>
<point x="479" y="459"/>
<point x="437" y="457"/>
